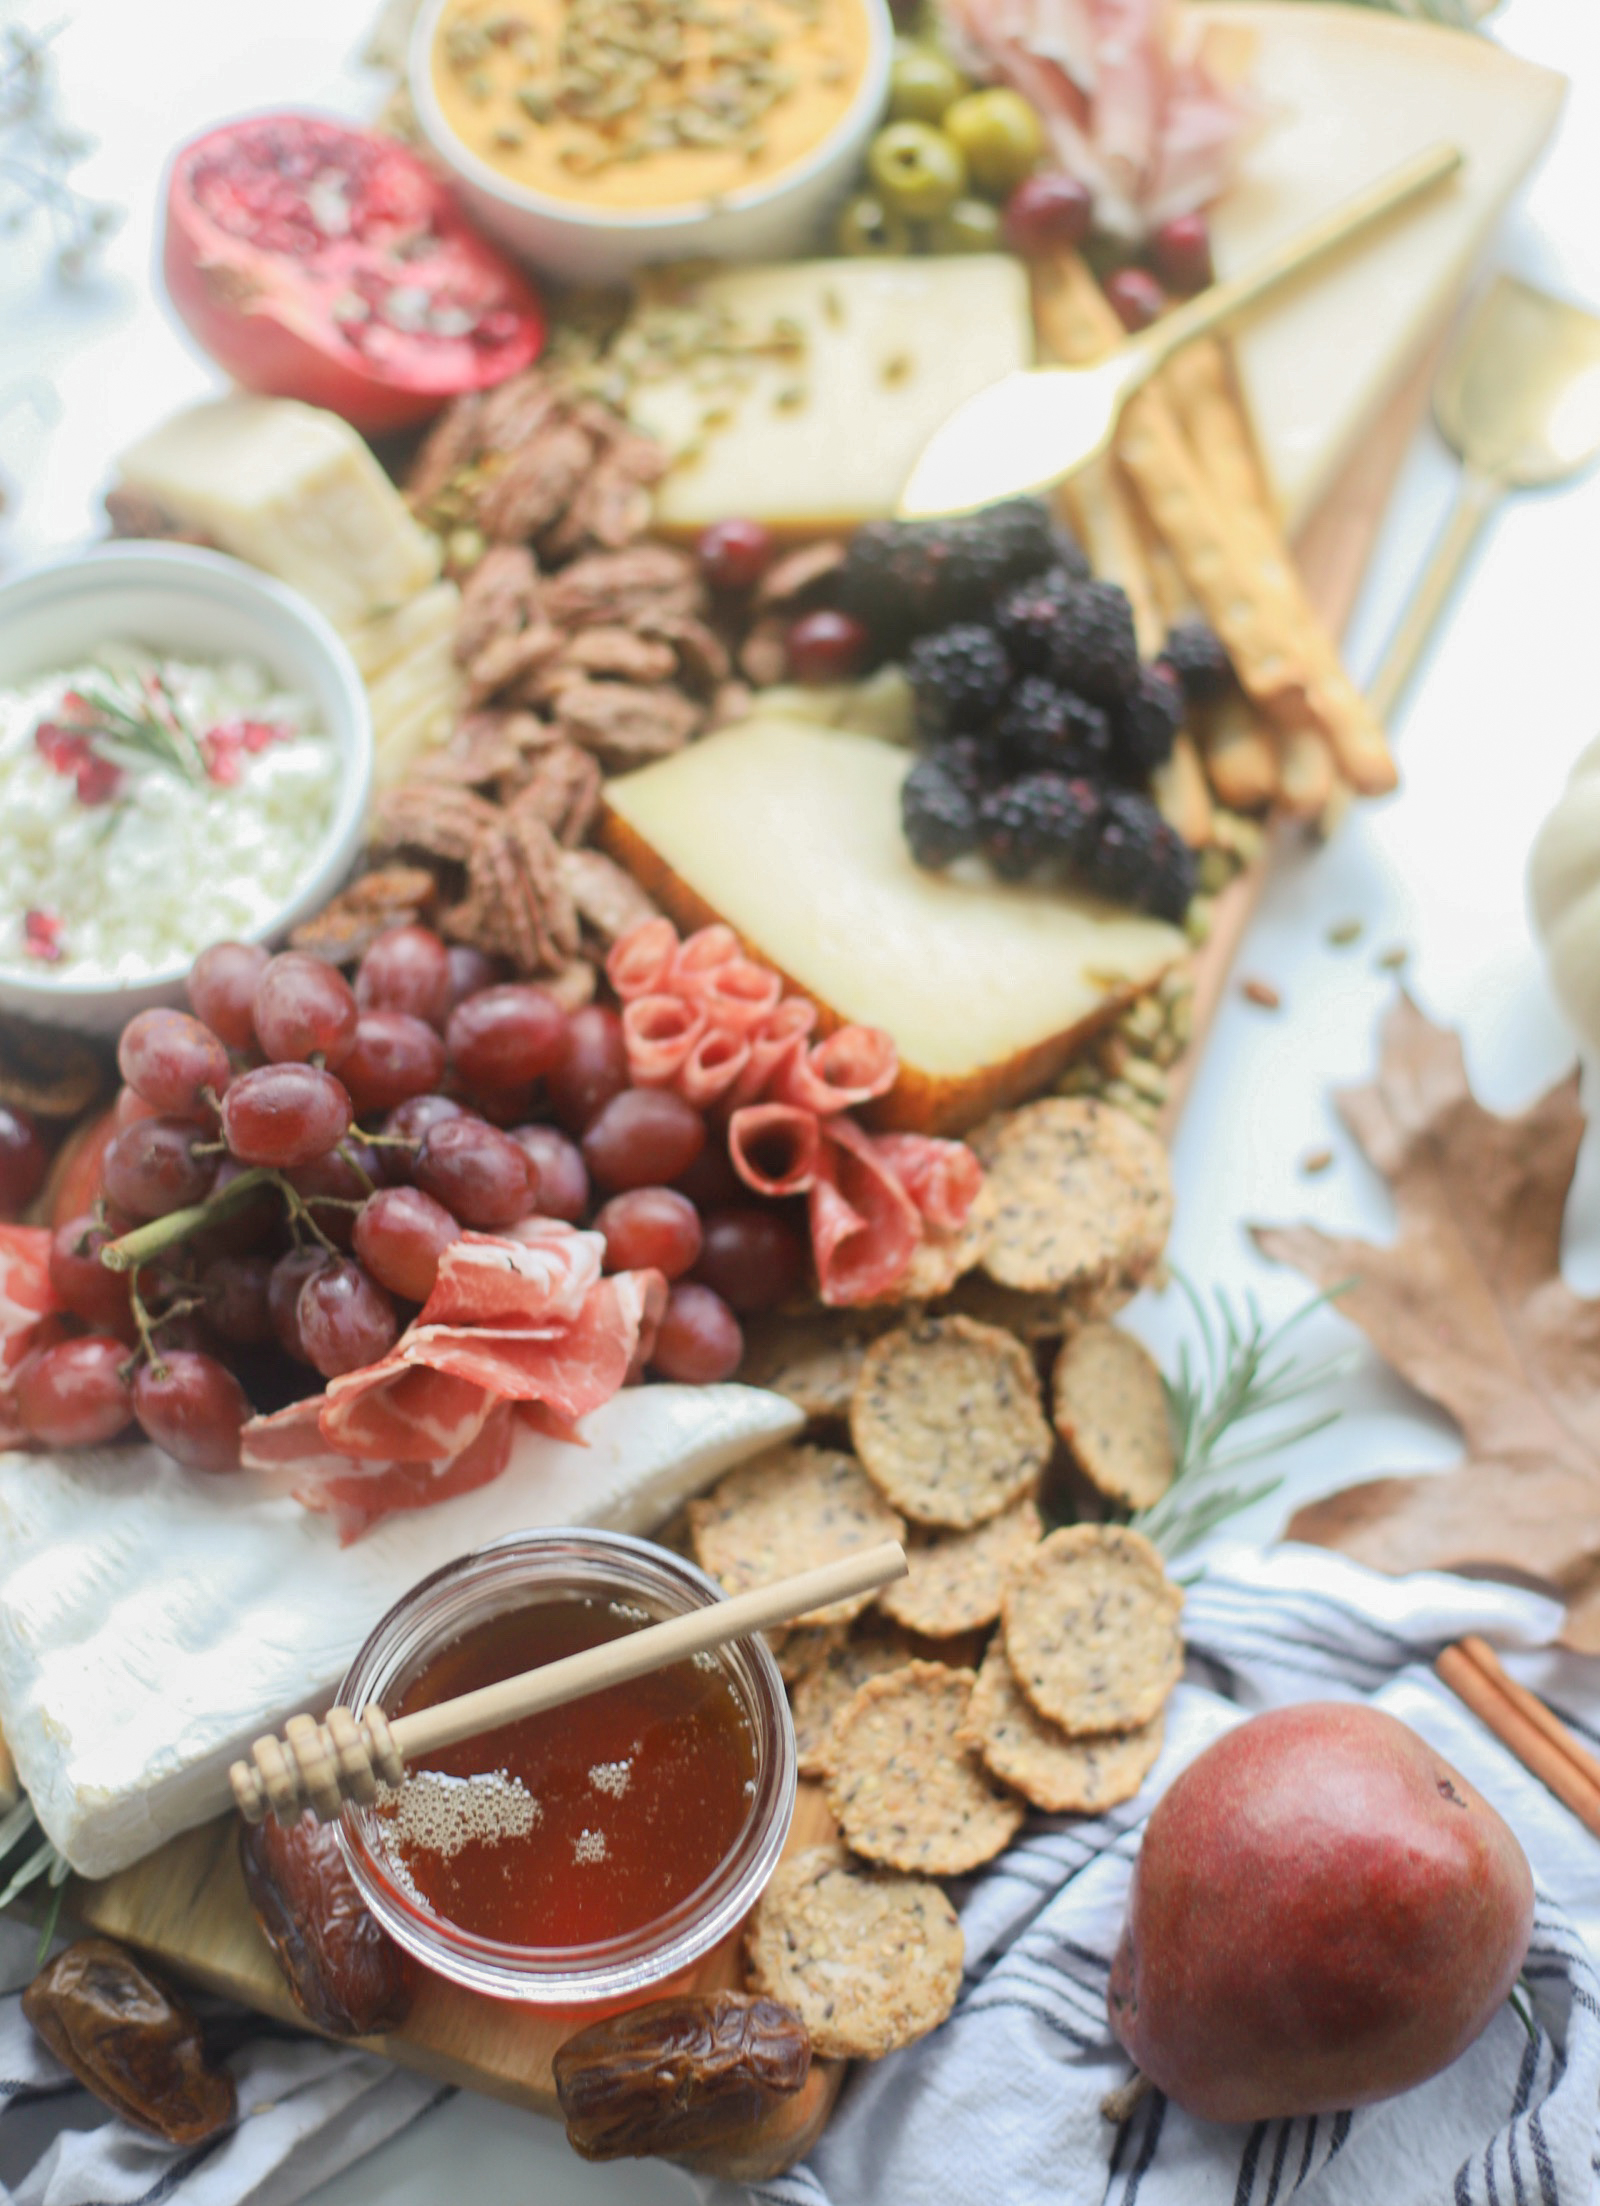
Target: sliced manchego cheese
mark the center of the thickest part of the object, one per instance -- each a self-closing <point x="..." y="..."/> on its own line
<point x="829" y="378"/>
<point x="1349" y="93"/>
<point x="294" y="490"/>
<point x="414" y="684"/>
<point x="791" y="833"/>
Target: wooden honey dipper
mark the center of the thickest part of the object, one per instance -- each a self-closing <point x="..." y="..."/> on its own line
<point x="322" y="1765"/>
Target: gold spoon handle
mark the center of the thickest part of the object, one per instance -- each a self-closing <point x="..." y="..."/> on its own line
<point x="1222" y="301"/>
<point x="1476" y="498"/>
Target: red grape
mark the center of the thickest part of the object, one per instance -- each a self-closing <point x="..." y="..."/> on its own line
<point x="592" y="1069"/>
<point x="711" y="1183"/>
<point x="508" y="1107"/>
<point x="643" y="1138"/>
<point x="281" y="1115"/>
<point x="173" y="1061"/>
<point x="222" y="989"/>
<point x="407" y="969"/>
<point x="650" y="1229"/>
<point x="395" y="1058"/>
<point x="192" y="1406"/>
<point x="82" y="1283"/>
<point x="346" y="1320"/>
<point x="752" y="1258"/>
<point x="150" y="1168"/>
<point x="409" y="1123"/>
<point x="289" y="1275"/>
<point x="563" y="1177"/>
<point x="24" y="1161"/>
<point x="129" y="1108"/>
<point x="343" y="1177"/>
<point x="74" y="1395"/>
<point x="1181" y="251"/>
<point x="504" y="1037"/>
<point x="734" y="555"/>
<point x="1046" y="213"/>
<point x="400" y="1237"/>
<point x="236" y="1294"/>
<point x="827" y="647"/>
<point x="476" y="1172"/>
<point x="304" y="1009"/>
<point x="1137" y="297"/>
<point x="699" y="1342"/>
<point x="471" y="971"/>
<point x="257" y="1220"/>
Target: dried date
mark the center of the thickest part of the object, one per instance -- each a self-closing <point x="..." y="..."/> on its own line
<point x="345" y="1972"/>
<point x="130" y="2041"/>
<point x="679" y="2076"/>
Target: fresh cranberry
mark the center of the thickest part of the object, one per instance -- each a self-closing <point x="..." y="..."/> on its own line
<point x="1047" y="213"/>
<point x="734" y="555"/>
<point x="1181" y="253"/>
<point x="1137" y="297"/>
<point x="827" y="647"/>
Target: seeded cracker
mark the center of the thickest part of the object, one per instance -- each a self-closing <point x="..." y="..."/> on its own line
<point x="798" y="1648"/>
<point x="956" y="1578"/>
<point x="1083" y="1201"/>
<point x="903" y="1789"/>
<point x="947" y="1422"/>
<point x="1110" y="1407"/>
<point x="813" y="1361"/>
<point x="787" y="1511"/>
<point x="1091" y="1627"/>
<point x="832" y="1680"/>
<point x="869" y="1962"/>
<point x="1032" y="1317"/>
<point x="1061" y="1775"/>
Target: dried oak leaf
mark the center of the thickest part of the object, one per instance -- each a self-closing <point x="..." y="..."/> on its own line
<point x="1469" y="1306"/>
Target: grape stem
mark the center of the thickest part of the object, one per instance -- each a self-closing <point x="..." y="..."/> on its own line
<point x="137" y="1247"/>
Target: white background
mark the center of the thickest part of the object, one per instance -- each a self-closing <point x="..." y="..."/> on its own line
<point x="1511" y="694"/>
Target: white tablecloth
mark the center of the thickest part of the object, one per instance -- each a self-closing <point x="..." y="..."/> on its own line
<point x="1511" y="695"/>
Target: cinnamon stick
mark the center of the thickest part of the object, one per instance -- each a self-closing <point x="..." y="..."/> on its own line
<point x="1545" y="1719"/>
<point x="1484" y="1692"/>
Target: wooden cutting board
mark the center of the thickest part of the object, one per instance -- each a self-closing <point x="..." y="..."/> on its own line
<point x="185" y="1906"/>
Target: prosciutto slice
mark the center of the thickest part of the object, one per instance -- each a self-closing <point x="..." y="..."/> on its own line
<point x="572" y="1370"/>
<point x="536" y="1274"/>
<point x="358" y="1496"/>
<point x="27" y="1304"/>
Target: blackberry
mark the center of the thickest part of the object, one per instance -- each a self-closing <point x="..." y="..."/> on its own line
<point x="939" y="813"/>
<point x="1137" y="859"/>
<point x="1096" y="651"/>
<point x="1067" y="553"/>
<point x="1029" y="617"/>
<point x="992" y="550"/>
<point x="1195" y="654"/>
<point x="1043" y="726"/>
<point x="1037" y="817"/>
<point x="907" y="578"/>
<point x="958" y="678"/>
<point x="1148" y="721"/>
<point x="967" y="761"/>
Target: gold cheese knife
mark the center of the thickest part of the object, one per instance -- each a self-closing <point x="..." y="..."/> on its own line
<point x="1034" y="428"/>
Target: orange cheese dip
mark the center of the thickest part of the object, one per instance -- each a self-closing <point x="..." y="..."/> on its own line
<point x="643" y="105"/>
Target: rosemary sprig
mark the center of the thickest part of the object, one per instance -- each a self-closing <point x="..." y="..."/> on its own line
<point x="138" y="714"/>
<point x="42" y="1860"/>
<point x="1241" y="1372"/>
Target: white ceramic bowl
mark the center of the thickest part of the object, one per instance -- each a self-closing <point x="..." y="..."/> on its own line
<point x="779" y="219"/>
<point x="195" y="604"/>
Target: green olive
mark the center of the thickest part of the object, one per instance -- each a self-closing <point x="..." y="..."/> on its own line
<point x="868" y="227"/>
<point x="1001" y="137"/>
<point x="970" y="226"/>
<point x="922" y="84"/>
<point x="917" y="169"/>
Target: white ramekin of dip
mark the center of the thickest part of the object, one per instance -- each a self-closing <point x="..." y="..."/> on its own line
<point x="781" y="217"/>
<point x="175" y="603"/>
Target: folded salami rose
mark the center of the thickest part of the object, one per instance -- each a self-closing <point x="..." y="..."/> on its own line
<point x="709" y="1071"/>
<point x="865" y="1228"/>
<point x="847" y="1068"/>
<point x="780" y="1036"/>
<point x="775" y="1148"/>
<point x="659" y="1031"/>
<point x="942" y="1178"/>
<point x="641" y="959"/>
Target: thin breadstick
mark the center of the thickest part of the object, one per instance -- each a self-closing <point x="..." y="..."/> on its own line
<point x="1182" y="794"/>
<point x="1241" y="758"/>
<point x="1306" y="775"/>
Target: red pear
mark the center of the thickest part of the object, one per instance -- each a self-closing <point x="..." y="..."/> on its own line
<point x="1323" y="1913"/>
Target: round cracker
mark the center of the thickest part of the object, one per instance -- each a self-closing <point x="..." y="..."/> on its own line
<point x="941" y="1259"/>
<point x="1082" y="1201"/>
<point x="787" y="1511"/>
<point x="955" y="1579"/>
<point x="947" y="1421"/>
<point x="1061" y="1775"/>
<point x="903" y="1789"/>
<point x="813" y="1361"/>
<point x="833" y="1679"/>
<point x="1091" y="1629"/>
<point x="797" y="1648"/>
<point x="869" y="1962"/>
<point x="1032" y="1317"/>
<point x="1110" y="1406"/>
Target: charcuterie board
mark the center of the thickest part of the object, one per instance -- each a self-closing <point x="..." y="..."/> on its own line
<point x="186" y="1906"/>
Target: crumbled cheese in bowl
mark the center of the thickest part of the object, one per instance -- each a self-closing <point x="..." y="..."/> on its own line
<point x="150" y="805"/>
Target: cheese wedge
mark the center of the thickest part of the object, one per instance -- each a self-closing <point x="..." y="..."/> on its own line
<point x="1349" y="93"/>
<point x="291" y="489"/>
<point x="152" y="1623"/>
<point x="414" y="685"/>
<point x="827" y="380"/>
<point x="791" y="833"/>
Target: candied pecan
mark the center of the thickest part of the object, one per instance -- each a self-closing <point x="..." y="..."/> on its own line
<point x="702" y="656"/>
<point x="516" y="410"/>
<point x="615" y="505"/>
<point x="517" y="904"/>
<point x="481" y="748"/>
<point x="608" y="588"/>
<point x="536" y="484"/>
<point x="620" y="653"/>
<point x="573" y="985"/>
<point x="798" y="575"/>
<point x="764" y="656"/>
<point x="560" y="787"/>
<point x="52" y="1073"/>
<point x="451" y="443"/>
<point x="434" y="817"/>
<point x="509" y="659"/>
<point x="624" y="725"/>
<point x="679" y="2075"/>
<point x="345" y="1972"/>
<point x="390" y="896"/>
<point x="132" y="2042"/>
<point x="609" y="901"/>
<point x="499" y="597"/>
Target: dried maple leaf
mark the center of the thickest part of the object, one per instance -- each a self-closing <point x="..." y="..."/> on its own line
<point x="1469" y="1306"/>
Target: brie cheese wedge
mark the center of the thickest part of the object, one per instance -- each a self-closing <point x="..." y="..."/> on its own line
<point x="153" y="1623"/>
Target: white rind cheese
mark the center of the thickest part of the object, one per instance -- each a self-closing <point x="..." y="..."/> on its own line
<point x="154" y="1623"/>
<point x="1349" y="93"/>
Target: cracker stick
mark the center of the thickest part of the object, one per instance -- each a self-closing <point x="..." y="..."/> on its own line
<point x="1181" y="792"/>
<point x="1306" y="775"/>
<point x="1241" y="758"/>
